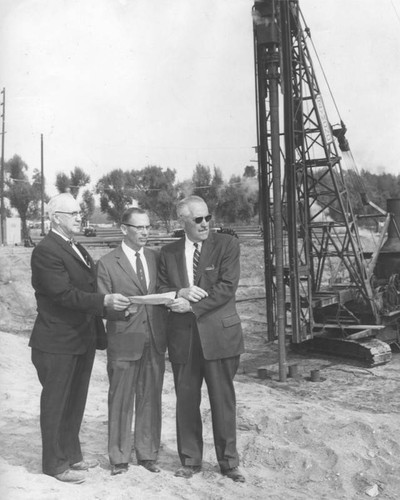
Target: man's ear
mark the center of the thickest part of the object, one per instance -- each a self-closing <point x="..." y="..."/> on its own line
<point x="55" y="218"/>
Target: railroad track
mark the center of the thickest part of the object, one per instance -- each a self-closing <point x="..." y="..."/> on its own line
<point x="111" y="237"/>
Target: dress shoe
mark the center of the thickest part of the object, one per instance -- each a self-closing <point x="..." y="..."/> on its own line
<point x="71" y="476"/>
<point x="119" y="469"/>
<point x="234" y="474"/>
<point x="187" y="471"/>
<point x="85" y="464"/>
<point x="150" y="465"/>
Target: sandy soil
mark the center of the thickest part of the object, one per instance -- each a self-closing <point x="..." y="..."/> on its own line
<point x="334" y="439"/>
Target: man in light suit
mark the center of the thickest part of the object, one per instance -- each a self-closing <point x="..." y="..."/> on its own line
<point x="67" y="330"/>
<point x="136" y="347"/>
<point x="204" y="335"/>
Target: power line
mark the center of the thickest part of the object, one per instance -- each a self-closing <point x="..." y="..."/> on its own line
<point x="395" y="10"/>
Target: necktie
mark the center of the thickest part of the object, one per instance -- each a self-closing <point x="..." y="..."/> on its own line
<point x="140" y="272"/>
<point x="196" y="257"/>
<point x="79" y="250"/>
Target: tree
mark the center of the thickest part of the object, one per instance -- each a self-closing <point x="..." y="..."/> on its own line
<point x="207" y="186"/>
<point x="24" y="195"/>
<point x="201" y="179"/>
<point x="215" y="188"/>
<point x="234" y="204"/>
<point x="72" y="184"/>
<point x="62" y="183"/>
<point x="87" y="206"/>
<point x="157" y="192"/>
<point x="116" y="193"/>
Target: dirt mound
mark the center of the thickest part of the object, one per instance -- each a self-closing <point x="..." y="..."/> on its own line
<point x="334" y="439"/>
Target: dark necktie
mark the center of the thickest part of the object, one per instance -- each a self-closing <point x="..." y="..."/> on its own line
<point x="140" y="272"/>
<point x="196" y="257"/>
<point x="75" y="246"/>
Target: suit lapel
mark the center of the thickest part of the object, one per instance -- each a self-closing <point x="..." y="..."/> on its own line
<point x="181" y="263"/>
<point x="85" y="255"/>
<point x="68" y="248"/>
<point x="123" y="262"/>
<point x="152" y="267"/>
<point x="206" y="250"/>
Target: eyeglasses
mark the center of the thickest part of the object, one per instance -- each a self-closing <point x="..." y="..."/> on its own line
<point x="139" y="228"/>
<point x="199" y="220"/>
<point x="72" y="214"/>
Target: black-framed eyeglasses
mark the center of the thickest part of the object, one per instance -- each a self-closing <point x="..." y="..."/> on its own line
<point x="72" y="214"/>
<point x="199" y="220"/>
<point x="139" y="228"/>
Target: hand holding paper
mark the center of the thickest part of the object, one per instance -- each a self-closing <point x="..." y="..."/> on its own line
<point x="153" y="299"/>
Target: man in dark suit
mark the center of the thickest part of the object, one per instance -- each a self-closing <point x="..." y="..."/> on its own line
<point x="67" y="330"/>
<point x="204" y="335"/>
<point x="136" y="347"/>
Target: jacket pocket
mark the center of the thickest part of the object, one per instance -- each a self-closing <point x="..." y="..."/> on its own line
<point x="230" y="320"/>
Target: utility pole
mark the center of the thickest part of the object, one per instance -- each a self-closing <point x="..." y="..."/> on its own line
<point x="42" y="233"/>
<point x="2" y="208"/>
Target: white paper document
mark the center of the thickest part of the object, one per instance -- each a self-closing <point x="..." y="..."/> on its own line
<point x="153" y="299"/>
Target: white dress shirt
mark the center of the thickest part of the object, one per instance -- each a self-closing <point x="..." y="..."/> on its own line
<point x="131" y="255"/>
<point x="189" y="253"/>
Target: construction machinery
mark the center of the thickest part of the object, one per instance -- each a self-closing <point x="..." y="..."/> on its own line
<point x="322" y="288"/>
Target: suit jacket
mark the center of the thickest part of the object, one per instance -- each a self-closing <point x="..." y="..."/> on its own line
<point x="68" y="305"/>
<point x="126" y="336"/>
<point x="215" y="316"/>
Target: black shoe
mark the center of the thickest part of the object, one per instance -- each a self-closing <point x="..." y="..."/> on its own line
<point x="234" y="474"/>
<point x="119" y="469"/>
<point x="187" y="471"/>
<point x="150" y="465"/>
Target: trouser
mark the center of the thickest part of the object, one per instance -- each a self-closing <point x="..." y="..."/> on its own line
<point x="188" y="378"/>
<point x="65" y="381"/>
<point x="141" y="382"/>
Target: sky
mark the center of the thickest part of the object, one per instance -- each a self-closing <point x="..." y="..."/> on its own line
<point x="130" y="83"/>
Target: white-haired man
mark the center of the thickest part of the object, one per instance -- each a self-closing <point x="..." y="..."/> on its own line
<point x="204" y="335"/>
<point x="66" y="333"/>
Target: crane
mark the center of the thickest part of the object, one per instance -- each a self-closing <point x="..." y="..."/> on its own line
<point x="321" y="285"/>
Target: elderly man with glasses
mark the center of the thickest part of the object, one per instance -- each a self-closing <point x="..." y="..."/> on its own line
<point x="66" y="333"/>
<point x="204" y="335"/>
<point x="136" y="348"/>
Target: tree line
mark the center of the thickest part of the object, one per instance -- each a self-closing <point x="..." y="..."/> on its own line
<point x="157" y="190"/>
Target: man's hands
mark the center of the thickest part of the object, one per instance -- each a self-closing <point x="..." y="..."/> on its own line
<point x="185" y="296"/>
<point x="192" y="294"/>
<point x="180" y="305"/>
<point x="133" y="309"/>
<point x="116" y="302"/>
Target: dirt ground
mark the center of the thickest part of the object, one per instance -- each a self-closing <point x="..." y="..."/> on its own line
<point x="333" y="439"/>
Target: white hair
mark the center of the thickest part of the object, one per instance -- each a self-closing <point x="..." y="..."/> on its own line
<point x="59" y="202"/>
<point x="183" y="206"/>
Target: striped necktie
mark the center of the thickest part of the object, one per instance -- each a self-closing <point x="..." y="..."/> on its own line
<point x="140" y="272"/>
<point x="196" y="257"/>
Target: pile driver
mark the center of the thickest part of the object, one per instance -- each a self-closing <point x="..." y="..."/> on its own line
<point x="322" y="288"/>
